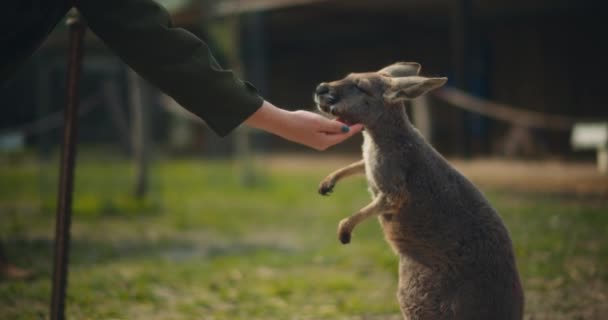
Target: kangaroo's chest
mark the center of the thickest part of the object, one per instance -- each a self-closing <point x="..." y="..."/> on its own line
<point x="372" y="163"/>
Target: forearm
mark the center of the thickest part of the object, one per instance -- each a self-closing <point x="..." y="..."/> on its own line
<point x="270" y="118"/>
<point x="176" y="61"/>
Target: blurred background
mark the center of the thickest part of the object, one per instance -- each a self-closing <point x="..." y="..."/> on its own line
<point x="172" y="222"/>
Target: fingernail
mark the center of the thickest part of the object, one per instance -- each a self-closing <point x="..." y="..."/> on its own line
<point x="345" y="128"/>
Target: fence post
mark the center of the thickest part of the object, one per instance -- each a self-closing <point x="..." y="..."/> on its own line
<point x="66" y="177"/>
<point x="139" y="140"/>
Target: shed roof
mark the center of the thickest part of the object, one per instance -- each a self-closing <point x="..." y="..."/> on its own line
<point x="485" y="8"/>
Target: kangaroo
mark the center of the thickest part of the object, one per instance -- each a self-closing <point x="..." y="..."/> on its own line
<point x="456" y="259"/>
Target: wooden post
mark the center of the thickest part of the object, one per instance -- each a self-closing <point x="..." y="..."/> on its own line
<point x="242" y="135"/>
<point x="602" y="160"/>
<point x="66" y="176"/>
<point x="422" y="117"/>
<point x="251" y="49"/>
<point x="138" y="135"/>
<point x="242" y="146"/>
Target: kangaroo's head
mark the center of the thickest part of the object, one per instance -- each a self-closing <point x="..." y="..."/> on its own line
<point x="366" y="97"/>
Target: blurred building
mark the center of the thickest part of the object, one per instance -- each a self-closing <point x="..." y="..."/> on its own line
<point x="541" y="55"/>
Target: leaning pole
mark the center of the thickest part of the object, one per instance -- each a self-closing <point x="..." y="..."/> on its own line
<point x="77" y="29"/>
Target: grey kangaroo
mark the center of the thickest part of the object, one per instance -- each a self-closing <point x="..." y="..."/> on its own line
<point x="456" y="259"/>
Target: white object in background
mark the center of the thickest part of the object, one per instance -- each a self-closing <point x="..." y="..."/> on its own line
<point x="587" y="136"/>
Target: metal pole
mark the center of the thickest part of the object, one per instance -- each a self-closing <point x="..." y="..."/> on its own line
<point x="66" y="177"/>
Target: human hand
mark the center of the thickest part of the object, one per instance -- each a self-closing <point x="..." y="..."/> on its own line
<point x="316" y="131"/>
<point x="303" y="127"/>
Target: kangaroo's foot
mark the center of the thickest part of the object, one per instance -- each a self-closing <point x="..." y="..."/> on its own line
<point x="327" y="186"/>
<point x="344" y="231"/>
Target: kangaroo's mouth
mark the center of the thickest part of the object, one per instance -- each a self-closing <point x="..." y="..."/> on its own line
<point x="345" y="121"/>
<point x="328" y="106"/>
<point x="334" y="112"/>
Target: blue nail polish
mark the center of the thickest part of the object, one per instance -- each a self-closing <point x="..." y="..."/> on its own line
<point x="345" y="128"/>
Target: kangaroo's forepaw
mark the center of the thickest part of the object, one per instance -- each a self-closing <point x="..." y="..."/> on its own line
<point x="345" y="237"/>
<point x="326" y="187"/>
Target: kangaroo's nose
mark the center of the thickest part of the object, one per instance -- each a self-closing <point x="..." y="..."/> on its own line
<point x="323" y="88"/>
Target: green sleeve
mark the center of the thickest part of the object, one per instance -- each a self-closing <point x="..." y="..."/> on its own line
<point x="173" y="59"/>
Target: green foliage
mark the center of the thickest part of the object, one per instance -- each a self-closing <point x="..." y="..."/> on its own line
<point x="201" y="246"/>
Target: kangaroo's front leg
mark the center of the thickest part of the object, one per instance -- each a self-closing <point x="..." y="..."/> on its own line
<point x="327" y="185"/>
<point x="378" y="206"/>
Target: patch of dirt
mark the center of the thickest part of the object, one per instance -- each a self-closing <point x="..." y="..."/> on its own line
<point x="539" y="176"/>
<point x="569" y="301"/>
<point x="550" y="176"/>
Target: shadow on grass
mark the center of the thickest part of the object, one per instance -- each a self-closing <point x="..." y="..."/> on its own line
<point x="37" y="254"/>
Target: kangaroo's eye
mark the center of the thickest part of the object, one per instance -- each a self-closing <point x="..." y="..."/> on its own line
<point x="363" y="86"/>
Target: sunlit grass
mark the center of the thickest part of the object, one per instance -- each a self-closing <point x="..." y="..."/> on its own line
<point x="203" y="246"/>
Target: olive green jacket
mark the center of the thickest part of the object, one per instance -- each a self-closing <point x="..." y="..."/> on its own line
<point x="142" y="34"/>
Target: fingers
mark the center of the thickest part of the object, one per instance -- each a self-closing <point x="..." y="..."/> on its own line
<point x="331" y="139"/>
<point x="356" y="128"/>
<point x="345" y="134"/>
<point x="333" y="126"/>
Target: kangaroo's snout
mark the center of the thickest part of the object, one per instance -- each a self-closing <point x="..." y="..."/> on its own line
<point x="325" y="99"/>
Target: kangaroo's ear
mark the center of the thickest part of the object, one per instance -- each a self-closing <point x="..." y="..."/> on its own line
<point x="406" y="88"/>
<point x="401" y="69"/>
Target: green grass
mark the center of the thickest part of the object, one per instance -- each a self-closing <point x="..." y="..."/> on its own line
<point x="202" y="246"/>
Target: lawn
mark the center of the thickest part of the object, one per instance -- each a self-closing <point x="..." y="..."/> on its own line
<point x="202" y="246"/>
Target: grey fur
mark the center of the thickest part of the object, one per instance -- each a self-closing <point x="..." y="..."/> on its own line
<point x="456" y="259"/>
